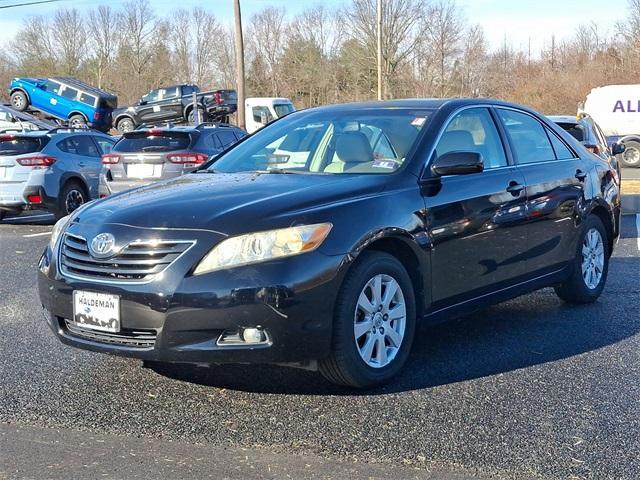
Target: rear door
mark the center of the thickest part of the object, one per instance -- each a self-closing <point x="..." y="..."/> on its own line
<point x="476" y="221"/>
<point x="554" y="176"/>
<point x="81" y="155"/>
<point x="169" y="104"/>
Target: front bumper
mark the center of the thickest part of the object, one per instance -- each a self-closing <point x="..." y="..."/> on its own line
<point x="184" y="316"/>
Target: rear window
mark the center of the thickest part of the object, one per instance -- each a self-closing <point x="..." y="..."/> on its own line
<point x="110" y="103"/>
<point x="19" y="145"/>
<point x="576" y="131"/>
<point x="152" y="142"/>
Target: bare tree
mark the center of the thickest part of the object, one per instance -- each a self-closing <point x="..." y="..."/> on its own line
<point x="102" y="35"/>
<point x="34" y="47"/>
<point x="267" y="38"/>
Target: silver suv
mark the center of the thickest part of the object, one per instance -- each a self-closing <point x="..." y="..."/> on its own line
<point x="146" y="155"/>
<point x="56" y="170"/>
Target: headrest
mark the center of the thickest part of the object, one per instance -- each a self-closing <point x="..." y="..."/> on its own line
<point x="353" y="147"/>
<point x="456" y="140"/>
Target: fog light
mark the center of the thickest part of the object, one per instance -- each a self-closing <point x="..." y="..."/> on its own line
<point x="253" y="335"/>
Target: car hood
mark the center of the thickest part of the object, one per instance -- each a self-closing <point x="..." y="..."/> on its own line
<point x="231" y="203"/>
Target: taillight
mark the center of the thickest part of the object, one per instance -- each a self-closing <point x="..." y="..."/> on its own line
<point x="110" y="158"/>
<point x="217" y="97"/>
<point x="37" y="161"/>
<point x="6" y="138"/>
<point x="187" y="157"/>
<point x="34" y="198"/>
<point x="96" y="116"/>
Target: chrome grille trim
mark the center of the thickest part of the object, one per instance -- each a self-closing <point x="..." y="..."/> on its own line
<point x="142" y="339"/>
<point x="137" y="262"/>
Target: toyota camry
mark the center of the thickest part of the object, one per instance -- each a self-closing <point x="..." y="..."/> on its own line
<point x="323" y="240"/>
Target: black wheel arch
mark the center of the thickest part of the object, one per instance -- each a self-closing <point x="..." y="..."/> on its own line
<point x="22" y="90"/>
<point x="607" y="215"/>
<point x="76" y="112"/>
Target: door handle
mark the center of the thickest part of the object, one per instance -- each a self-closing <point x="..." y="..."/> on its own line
<point x="580" y="175"/>
<point x="81" y="164"/>
<point x="515" y="188"/>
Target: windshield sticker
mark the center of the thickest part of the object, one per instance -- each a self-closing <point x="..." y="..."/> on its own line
<point x="418" y="121"/>
<point x="385" y="163"/>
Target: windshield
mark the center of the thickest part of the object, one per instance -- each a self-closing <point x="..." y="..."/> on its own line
<point x="152" y="142"/>
<point x="371" y="141"/>
<point x="283" y="109"/>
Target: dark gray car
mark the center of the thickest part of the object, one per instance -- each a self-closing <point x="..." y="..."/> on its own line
<point x="56" y="170"/>
<point x="146" y="155"/>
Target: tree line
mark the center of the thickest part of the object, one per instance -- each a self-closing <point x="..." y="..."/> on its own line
<point x="323" y="55"/>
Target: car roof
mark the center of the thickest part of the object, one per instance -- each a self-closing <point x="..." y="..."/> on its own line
<point x="75" y="83"/>
<point x="426" y="103"/>
<point x="563" y="119"/>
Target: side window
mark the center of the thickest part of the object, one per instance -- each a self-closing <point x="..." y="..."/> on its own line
<point x="473" y="130"/>
<point x="214" y="141"/>
<point x="168" y="93"/>
<point x="529" y="140"/>
<point x="79" y="145"/>
<point x="257" y="114"/>
<point x="152" y="96"/>
<point x="561" y="150"/>
<point x="88" y="99"/>
<point x="70" y="93"/>
<point x="105" y="145"/>
<point x="51" y="87"/>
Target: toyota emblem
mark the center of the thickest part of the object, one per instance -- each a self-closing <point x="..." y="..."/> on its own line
<point x="103" y="245"/>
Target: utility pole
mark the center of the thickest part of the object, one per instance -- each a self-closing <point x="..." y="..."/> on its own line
<point x="239" y="63"/>
<point x="379" y="23"/>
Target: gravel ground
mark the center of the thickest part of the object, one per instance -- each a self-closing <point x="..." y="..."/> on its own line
<point x="530" y="388"/>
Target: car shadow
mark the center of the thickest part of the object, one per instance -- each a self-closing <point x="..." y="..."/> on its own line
<point x="531" y="330"/>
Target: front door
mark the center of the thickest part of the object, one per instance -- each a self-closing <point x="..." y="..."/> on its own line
<point x="476" y="221"/>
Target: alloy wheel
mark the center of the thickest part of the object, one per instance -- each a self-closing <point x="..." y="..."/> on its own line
<point x="73" y="200"/>
<point x="592" y="258"/>
<point x="380" y="321"/>
<point x="17" y="101"/>
<point x="631" y="156"/>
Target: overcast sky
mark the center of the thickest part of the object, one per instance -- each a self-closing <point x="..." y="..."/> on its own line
<point x="516" y="20"/>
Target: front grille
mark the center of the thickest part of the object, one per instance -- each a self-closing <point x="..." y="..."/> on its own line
<point x="125" y="338"/>
<point x="138" y="262"/>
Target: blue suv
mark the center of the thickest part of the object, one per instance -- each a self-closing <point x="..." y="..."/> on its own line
<point x="66" y="99"/>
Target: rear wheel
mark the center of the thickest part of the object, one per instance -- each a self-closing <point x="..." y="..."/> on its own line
<point x="590" y="266"/>
<point x="19" y="101"/>
<point x="374" y="323"/>
<point x="631" y="155"/>
<point x="125" y="125"/>
<point x="191" y="117"/>
<point x="72" y="196"/>
<point x="77" y="121"/>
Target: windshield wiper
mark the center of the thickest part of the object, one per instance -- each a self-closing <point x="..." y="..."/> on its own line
<point x="280" y="170"/>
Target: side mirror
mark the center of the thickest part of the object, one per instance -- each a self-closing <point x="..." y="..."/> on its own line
<point x="618" y="148"/>
<point x="142" y="102"/>
<point x="457" y="163"/>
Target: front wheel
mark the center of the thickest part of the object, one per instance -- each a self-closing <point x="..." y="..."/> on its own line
<point x="19" y="101"/>
<point x="374" y="323"/>
<point x="631" y="155"/>
<point x="590" y="267"/>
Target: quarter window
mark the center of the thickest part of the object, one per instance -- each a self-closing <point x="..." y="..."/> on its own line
<point x="473" y="130"/>
<point x="529" y="140"/>
<point x="561" y="150"/>
<point x="87" y="99"/>
<point x="226" y="138"/>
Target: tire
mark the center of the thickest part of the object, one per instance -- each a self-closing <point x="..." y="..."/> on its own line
<point x="191" y="116"/>
<point x="72" y="196"/>
<point x="19" y="101"/>
<point x="77" y="121"/>
<point x="580" y="288"/>
<point x="125" y="125"/>
<point x="630" y="158"/>
<point x="346" y="365"/>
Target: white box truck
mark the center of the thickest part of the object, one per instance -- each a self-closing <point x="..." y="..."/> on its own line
<point x="616" y="108"/>
<point x="262" y="110"/>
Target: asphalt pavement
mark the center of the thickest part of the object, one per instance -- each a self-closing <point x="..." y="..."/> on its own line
<point x="531" y="388"/>
<point x="630" y="174"/>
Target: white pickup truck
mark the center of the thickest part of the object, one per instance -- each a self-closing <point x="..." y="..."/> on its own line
<point x="616" y="109"/>
<point x="262" y="110"/>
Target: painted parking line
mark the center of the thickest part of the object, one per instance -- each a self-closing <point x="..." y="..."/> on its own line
<point x="42" y="234"/>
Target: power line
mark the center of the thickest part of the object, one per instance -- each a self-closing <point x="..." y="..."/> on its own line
<point x="27" y="3"/>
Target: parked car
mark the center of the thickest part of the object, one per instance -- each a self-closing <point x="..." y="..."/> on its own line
<point x="588" y="133"/>
<point x="175" y="103"/>
<point x="66" y="99"/>
<point x="151" y="154"/>
<point x="54" y="170"/>
<point x="262" y="110"/>
<point x="405" y="211"/>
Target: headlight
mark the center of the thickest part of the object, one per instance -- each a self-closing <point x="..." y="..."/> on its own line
<point x="262" y="246"/>
<point x="58" y="228"/>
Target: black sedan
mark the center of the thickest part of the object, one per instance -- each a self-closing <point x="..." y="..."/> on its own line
<point x="322" y="240"/>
